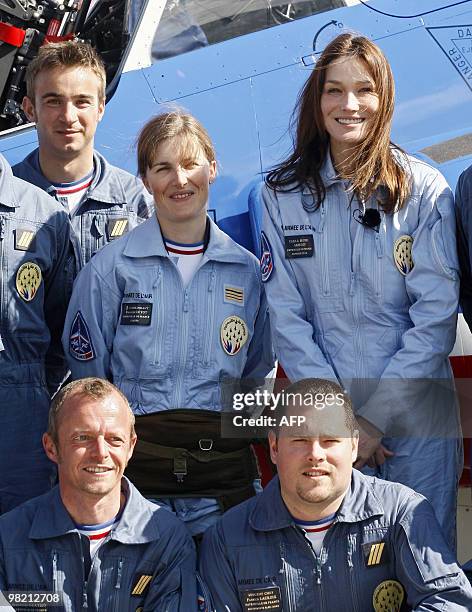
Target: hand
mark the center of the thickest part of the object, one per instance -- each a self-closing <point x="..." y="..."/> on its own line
<point x="370" y="451"/>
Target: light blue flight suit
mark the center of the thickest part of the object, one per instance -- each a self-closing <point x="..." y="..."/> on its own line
<point x="146" y="563"/>
<point x="116" y="202"/>
<point x="131" y="320"/>
<point x="35" y="255"/>
<point x="362" y="307"/>
<point x="384" y="547"/>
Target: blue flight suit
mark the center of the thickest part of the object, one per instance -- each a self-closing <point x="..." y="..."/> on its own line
<point x="131" y="320"/>
<point x="463" y="203"/>
<point x="385" y="547"/>
<point x="147" y="562"/>
<point x="116" y="202"/>
<point x="35" y="256"/>
<point x="377" y="311"/>
<point x="160" y="343"/>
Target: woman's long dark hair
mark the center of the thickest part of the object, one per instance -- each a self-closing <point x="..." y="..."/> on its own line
<point x="373" y="163"/>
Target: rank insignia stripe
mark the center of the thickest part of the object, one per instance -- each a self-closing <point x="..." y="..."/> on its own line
<point x="375" y="553"/>
<point x="24" y="239"/>
<point x="234" y="295"/>
<point x="117" y="227"/>
<point x="28" y="280"/>
<point x="141" y="584"/>
<point x="80" y="341"/>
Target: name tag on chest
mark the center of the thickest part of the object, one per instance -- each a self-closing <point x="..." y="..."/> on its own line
<point x="299" y="246"/>
<point x="259" y="600"/>
<point x="136" y="313"/>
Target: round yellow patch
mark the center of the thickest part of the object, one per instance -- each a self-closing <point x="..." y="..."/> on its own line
<point x="388" y="596"/>
<point x="28" y="280"/>
<point x="402" y="254"/>
<point x="234" y="334"/>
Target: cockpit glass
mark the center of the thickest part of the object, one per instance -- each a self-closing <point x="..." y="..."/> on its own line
<point x="190" y="24"/>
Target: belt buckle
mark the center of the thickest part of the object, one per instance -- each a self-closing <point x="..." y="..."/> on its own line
<point x="205" y="444"/>
<point x="180" y="468"/>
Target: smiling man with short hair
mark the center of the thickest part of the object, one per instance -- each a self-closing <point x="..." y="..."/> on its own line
<point x="65" y="98"/>
<point x="94" y="541"/>
<point x="322" y="536"/>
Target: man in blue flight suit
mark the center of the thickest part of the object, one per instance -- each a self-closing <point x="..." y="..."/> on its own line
<point x="66" y="99"/>
<point x="34" y="255"/>
<point x="323" y="536"/>
<point x="93" y="541"/>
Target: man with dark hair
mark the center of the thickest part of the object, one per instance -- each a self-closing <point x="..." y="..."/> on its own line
<point x="66" y="99"/>
<point x="93" y="541"/>
<point x="323" y="536"/>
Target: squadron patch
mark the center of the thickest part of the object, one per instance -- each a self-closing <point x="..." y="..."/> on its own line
<point x="233" y="334"/>
<point x="234" y="295"/>
<point x="117" y="227"/>
<point x="402" y="254"/>
<point x="24" y="239"/>
<point x="388" y="596"/>
<point x="267" y="262"/>
<point x="80" y="342"/>
<point x="141" y="584"/>
<point x="375" y="553"/>
<point x="28" y="280"/>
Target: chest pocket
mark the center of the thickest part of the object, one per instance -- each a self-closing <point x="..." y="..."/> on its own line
<point x="23" y="278"/>
<point x="228" y="303"/>
<point x="98" y="228"/>
<point x="371" y="564"/>
<point x="319" y="275"/>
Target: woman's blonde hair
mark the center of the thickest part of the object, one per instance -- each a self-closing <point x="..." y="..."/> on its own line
<point x="174" y="124"/>
<point x="376" y="167"/>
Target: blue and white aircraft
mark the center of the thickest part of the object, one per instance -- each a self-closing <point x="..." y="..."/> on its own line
<point x="238" y="67"/>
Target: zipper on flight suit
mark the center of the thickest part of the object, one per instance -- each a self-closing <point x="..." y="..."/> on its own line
<point x="116" y="592"/>
<point x="177" y="399"/>
<point x="160" y="317"/>
<point x="324" y="250"/>
<point x="356" y="295"/>
<point x="351" y="540"/>
<point x="210" y="320"/>
<point x="319" y="561"/>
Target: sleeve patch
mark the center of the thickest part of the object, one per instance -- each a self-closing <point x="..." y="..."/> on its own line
<point x="80" y="342"/>
<point x="267" y="261"/>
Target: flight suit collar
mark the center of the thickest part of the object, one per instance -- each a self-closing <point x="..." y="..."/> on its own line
<point x="106" y="185"/>
<point x="328" y="173"/>
<point x="7" y="192"/>
<point x="359" y="504"/>
<point x="147" y="241"/>
<point x="51" y="519"/>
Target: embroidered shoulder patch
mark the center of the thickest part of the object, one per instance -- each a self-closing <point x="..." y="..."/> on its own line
<point x="267" y="261"/>
<point x="388" y="596"/>
<point x="28" y="280"/>
<point x="80" y="342"/>
<point x="234" y="334"/>
<point x="402" y="254"/>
